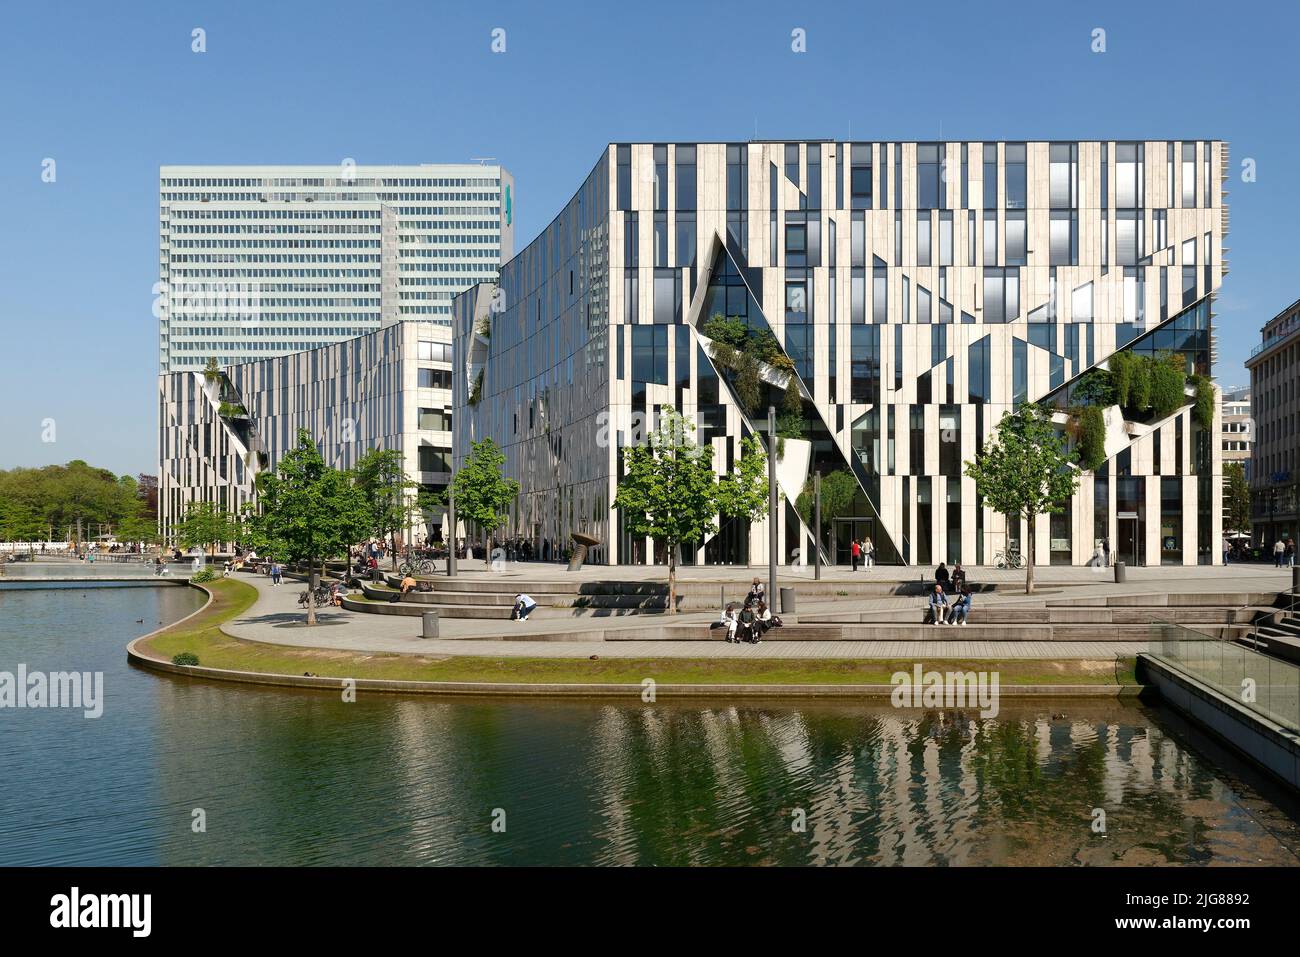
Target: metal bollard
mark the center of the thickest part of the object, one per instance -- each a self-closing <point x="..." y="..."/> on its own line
<point x="430" y="625"/>
<point x="1120" y="571"/>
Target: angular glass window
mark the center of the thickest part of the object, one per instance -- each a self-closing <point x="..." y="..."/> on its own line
<point x="685" y="176"/>
<point x="1063" y="175"/>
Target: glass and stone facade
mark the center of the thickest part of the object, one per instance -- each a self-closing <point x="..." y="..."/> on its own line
<point x="387" y="389"/>
<point x="1275" y="396"/>
<point x="901" y="297"/>
<point x="261" y="261"/>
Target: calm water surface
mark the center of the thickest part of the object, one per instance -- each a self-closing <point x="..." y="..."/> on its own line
<point x="287" y="777"/>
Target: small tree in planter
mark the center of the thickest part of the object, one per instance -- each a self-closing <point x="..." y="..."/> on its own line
<point x="669" y="491"/>
<point x="1025" y="471"/>
<point x="482" y="494"/>
<point x="308" y="512"/>
<point x="839" y="489"/>
<point x="205" y="526"/>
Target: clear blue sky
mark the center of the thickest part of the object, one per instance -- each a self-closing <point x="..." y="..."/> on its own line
<point x="112" y="91"/>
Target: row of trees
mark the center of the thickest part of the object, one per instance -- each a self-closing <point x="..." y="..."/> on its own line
<point x="40" y="504"/>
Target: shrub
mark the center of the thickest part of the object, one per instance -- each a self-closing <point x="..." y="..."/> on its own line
<point x="187" y="658"/>
<point x="1095" y="387"/>
<point x="1140" y="391"/>
<point x="732" y="331"/>
<point x="1092" y="438"/>
<point x="1121" y="373"/>
<point x="476" y="393"/>
<point x="203" y="575"/>
<point x="1203" y="404"/>
<point x="1168" y="387"/>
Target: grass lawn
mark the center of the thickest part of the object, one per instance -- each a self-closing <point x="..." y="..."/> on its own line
<point x="202" y="636"/>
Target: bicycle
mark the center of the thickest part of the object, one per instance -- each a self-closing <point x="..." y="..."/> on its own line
<point x="419" y="566"/>
<point x="1010" y="559"/>
<point x="320" y="595"/>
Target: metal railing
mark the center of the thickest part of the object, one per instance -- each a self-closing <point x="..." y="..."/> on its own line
<point x="1268" y="686"/>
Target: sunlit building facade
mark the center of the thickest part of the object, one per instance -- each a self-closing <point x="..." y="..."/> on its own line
<point x="900" y="298"/>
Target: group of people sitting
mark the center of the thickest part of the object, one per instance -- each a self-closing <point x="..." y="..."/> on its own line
<point x="950" y="602"/>
<point x="752" y="620"/>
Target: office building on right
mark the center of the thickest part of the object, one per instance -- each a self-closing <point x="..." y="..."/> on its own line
<point x="1275" y="403"/>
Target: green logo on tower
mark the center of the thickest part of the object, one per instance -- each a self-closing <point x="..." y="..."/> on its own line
<point x="508" y="204"/>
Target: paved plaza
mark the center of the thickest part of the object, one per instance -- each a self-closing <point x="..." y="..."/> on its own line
<point x="276" y="617"/>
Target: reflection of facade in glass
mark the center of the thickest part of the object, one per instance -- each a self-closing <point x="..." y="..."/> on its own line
<point x="891" y="301"/>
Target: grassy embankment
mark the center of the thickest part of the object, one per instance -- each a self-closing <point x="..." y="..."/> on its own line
<point x="202" y="636"/>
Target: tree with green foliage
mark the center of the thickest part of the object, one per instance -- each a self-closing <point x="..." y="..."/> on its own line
<point x="839" y="491"/>
<point x="483" y="495"/>
<point x="306" y="511"/>
<point x="391" y="496"/>
<point x="46" y="503"/>
<point x="669" y="491"/>
<point x="205" y="526"/>
<point x="1236" y="496"/>
<point x="742" y="493"/>
<point x="1025" y="471"/>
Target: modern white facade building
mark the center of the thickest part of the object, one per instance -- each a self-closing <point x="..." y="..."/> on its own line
<point x="387" y="389"/>
<point x="917" y="291"/>
<point x="260" y="261"/>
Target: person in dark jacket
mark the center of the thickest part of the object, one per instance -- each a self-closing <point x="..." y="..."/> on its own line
<point x="941" y="576"/>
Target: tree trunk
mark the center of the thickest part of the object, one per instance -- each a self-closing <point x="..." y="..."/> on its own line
<point x="487" y="552"/>
<point x="392" y="552"/>
<point x="672" y="580"/>
<point x="1029" y="552"/>
<point x="311" y="598"/>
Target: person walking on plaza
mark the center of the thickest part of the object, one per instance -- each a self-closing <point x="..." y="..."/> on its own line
<point x="1279" y="551"/>
<point x="868" y="552"/>
<point x="276" y="572"/>
<point x="1227" y="551"/>
<point x="1290" y="552"/>
<point x="856" y="551"/>
<point x="1105" y="551"/>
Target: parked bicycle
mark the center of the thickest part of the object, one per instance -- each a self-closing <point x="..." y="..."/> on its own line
<point x="1008" y="559"/>
<point x="415" y="566"/>
<point x="321" y="596"/>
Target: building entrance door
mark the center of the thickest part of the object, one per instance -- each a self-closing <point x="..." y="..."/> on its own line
<point x="849" y="530"/>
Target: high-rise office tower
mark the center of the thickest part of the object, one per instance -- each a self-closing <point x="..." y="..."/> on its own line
<point x="261" y="261"/>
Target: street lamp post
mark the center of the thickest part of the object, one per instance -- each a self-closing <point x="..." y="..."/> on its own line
<point x="771" y="506"/>
<point x="451" y="535"/>
<point x="817" y="524"/>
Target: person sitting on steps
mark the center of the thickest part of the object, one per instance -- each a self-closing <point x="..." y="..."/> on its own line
<point x="941" y="576"/>
<point x="961" y="607"/>
<point x="938" y="607"/>
<point x="524" y="606"/>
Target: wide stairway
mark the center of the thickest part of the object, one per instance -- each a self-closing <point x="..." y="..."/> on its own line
<point x="1053" y="615"/>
